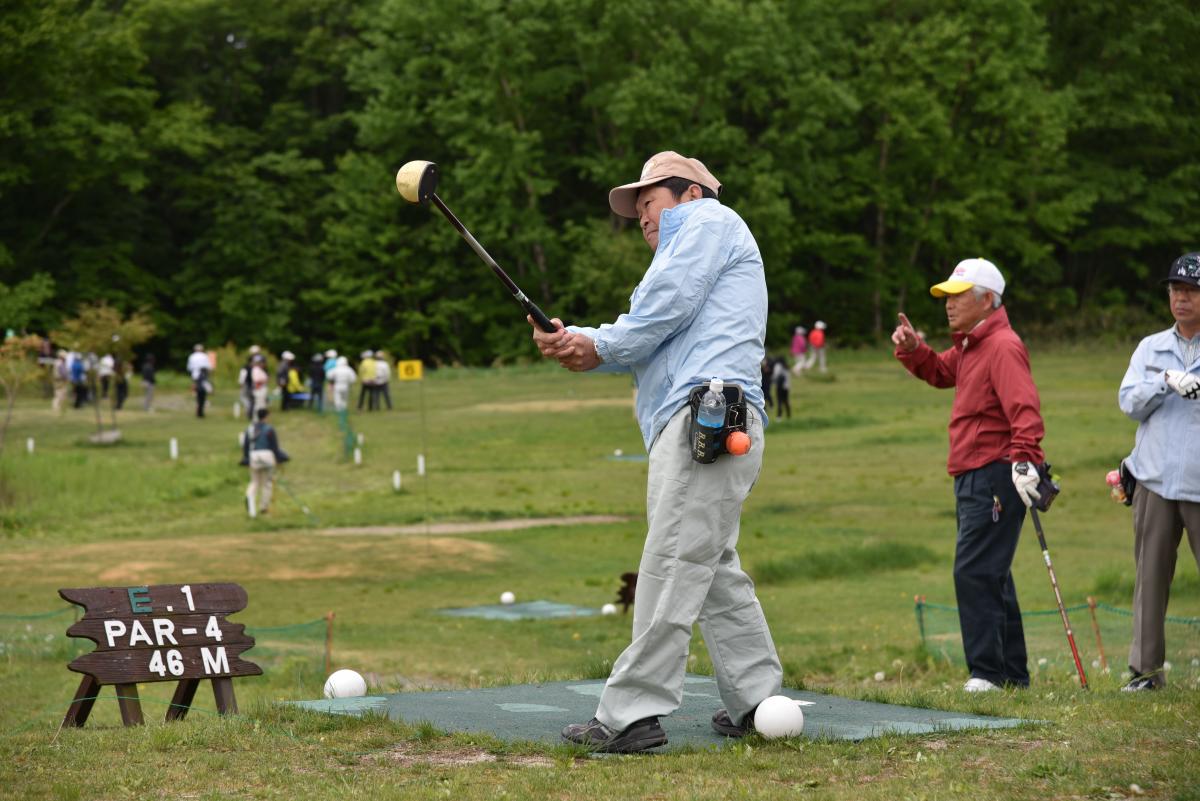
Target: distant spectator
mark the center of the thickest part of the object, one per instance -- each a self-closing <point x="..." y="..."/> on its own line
<point x="816" y="347"/>
<point x="316" y="383"/>
<point x="60" y="377"/>
<point x="78" y="371"/>
<point x="261" y="453"/>
<point x="331" y="357"/>
<point x="245" y="384"/>
<point x="342" y="376"/>
<point x="383" y="375"/>
<point x="259" y="382"/>
<point x="105" y="371"/>
<point x="366" y="374"/>
<point x="799" y="348"/>
<point x="148" y="382"/>
<point x="281" y="377"/>
<point x="765" y="370"/>
<point x="121" y="373"/>
<point x="295" y="394"/>
<point x="782" y="379"/>
<point x="199" y="367"/>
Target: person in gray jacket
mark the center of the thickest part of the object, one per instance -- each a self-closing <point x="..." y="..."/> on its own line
<point x="1160" y="391"/>
<point x="262" y="454"/>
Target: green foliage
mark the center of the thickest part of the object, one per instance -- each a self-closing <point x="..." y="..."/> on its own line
<point x="228" y="166"/>
<point x="21" y="304"/>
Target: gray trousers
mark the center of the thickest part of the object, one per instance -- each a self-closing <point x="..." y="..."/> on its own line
<point x="690" y="572"/>
<point x="1158" y="526"/>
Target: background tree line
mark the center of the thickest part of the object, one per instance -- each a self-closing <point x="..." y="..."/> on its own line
<point x="228" y="166"/>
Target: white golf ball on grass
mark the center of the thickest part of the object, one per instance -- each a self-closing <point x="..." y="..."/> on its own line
<point x="345" y="683"/>
<point x="779" y="716"/>
<point x="507" y="598"/>
<point x="608" y="609"/>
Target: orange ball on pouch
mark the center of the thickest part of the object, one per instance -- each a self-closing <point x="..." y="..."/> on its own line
<point x="738" y="443"/>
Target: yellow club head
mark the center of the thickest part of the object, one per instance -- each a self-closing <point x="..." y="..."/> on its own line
<point x="416" y="181"/>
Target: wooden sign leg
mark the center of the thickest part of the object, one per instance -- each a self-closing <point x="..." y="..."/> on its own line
<point x="131" y="705"/>
<point x="223" y="693"/>
<point x="185" y="691"/>
<point x="81" y="706"/>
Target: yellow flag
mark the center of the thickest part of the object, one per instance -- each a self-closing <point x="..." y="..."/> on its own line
<point x="409" y="370"/>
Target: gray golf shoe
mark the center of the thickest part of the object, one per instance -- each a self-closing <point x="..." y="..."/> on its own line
<point x="641" y="735"/>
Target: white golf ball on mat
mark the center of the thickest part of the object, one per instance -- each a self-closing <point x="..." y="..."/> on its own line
<point x="507" y="597"/>
<point x="779" y="716"/>
<point x="345" y="684"/>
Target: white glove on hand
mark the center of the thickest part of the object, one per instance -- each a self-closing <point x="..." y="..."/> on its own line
<point x="1025" y="479"/>
<point x="1185" y="384"/>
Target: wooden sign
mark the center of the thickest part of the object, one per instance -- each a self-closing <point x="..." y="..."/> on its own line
<point x="165" y="632"/>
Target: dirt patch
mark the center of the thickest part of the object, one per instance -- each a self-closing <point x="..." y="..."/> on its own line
<point x="121" y="573"/>
<point x="556" y="405"/>
<point x="476" y="527"/>
<point x="406" y="754"/>
<point x="275" y="556"/>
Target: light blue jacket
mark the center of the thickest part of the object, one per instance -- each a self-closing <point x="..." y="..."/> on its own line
<point x="1168" y="432"/>
<point x="699" y="312"/>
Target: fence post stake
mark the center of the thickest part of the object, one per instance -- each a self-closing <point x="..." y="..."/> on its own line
<point x="328" y="642"/>
<point x="1096" y="628"/>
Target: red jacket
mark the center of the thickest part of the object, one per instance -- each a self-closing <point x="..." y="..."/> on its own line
<point x="996" y="414"/>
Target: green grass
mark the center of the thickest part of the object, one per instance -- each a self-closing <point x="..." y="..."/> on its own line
<point x="851" y="517"/>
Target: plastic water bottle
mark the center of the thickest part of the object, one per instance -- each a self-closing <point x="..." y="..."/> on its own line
<point x="712" y="405"/>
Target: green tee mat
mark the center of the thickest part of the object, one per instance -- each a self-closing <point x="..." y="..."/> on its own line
<point x="538" y="712"/>
<point x="529" y="610"/>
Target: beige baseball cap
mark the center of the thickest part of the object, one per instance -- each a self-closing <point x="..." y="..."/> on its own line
<point x="970" y="273"/>
<point x="667" y="164"/>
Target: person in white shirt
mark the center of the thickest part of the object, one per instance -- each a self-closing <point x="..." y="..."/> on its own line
<point x="105" y="371"/>
<point x="199" y="367"/>
<point x="383" y="374"/>
<point x="342" y="376"/>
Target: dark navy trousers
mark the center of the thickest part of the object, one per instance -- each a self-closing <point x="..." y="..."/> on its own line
<point x="990" y="514"/>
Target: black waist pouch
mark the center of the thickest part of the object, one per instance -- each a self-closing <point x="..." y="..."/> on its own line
<point x="1047" y="488"/>
<point x="709" y="443"/>
<point x="1128" y="483"/>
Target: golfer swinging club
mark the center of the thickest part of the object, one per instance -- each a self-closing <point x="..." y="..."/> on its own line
<point x="699" y="312"/>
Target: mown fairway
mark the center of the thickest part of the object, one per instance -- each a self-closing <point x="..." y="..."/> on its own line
<point x="858" y="471"/>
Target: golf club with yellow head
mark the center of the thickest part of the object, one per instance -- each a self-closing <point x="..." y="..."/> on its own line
<point x="416" y="182"/>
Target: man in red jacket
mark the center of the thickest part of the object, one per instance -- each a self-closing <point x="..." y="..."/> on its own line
<point x="995" y="431"/>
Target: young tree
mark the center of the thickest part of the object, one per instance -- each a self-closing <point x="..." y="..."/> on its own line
<point x="18" y="364"/>
<point x="99" y="328"/>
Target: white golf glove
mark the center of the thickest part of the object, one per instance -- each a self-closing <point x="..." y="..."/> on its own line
<point x="1025" y="479"/>
<point x="1185" y="384"/>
